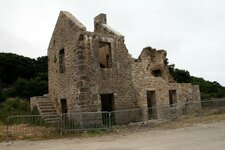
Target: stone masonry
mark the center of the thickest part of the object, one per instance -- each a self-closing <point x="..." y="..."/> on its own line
<point x="93" y="71"/>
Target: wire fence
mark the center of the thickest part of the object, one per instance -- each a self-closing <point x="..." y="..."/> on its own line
<point x="84" y="121"/>
<point x="124" y="117"/>
<point x="36" y="124"/>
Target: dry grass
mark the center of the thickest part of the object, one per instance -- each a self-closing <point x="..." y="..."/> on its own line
<point x="2" y="131"/>
<point x="28" y="132"/>
<point x="187" y="122"/>
<point x="179" y="123"/>
<point x="23" y="131"/>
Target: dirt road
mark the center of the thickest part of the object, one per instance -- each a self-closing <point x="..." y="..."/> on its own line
<point x="198" y="137"/>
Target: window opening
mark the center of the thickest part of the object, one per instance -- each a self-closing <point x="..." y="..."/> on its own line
<point x="105" y="56"/>
<point x="61" y="61"/>
<point x="157" y="73"/>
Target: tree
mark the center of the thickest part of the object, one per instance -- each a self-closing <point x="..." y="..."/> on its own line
<point x="179" y="75"/>
<point x="41" y="65"/>
<point x="2" y="96"/>
<point x="27" y="88"/>
<point x="13" y="66"/>
<point x="208" y="89"/>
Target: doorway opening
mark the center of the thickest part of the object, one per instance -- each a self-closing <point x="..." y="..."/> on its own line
<point x="151" y="101"/>
<point x="107" y="102"/>
<point x="172" y="97"/>
<point x="63" y="106"/>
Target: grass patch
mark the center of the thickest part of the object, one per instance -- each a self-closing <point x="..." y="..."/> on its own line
<point x="14" y="106"/>
<point x="2" y="131"/>
<point x="178" y="123"/>
<point x="91" y="133"/>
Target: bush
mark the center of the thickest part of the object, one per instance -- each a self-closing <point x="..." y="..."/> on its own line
<point x="27" y="88"/>
<point x="209" y="89"/>
<point x="13" y="106"/>
<point x="2" y="97"/>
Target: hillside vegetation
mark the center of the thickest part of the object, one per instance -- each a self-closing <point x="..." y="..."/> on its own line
<point x="22" y="77"/>
<point x="25" y="77"/>
<point x="209" y="89"/>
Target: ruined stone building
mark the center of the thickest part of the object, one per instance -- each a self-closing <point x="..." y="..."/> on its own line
<point x="93" y="71"/>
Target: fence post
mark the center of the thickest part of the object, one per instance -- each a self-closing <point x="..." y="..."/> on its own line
<point x="7" y="129"/>
<point x="60" y="124"/>
<point x="217" y="105"/>
<point x="173" y="111"/>
<point x="110" y="126"/>
<point x="176" y="112"/>
<point x="145" y="114"/>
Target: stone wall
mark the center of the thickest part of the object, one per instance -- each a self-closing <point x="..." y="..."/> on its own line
<point x="153" y="59"/>
<point x="144" y="81"/>
<point x="65" y="36"/>
<point x="83" y="80"/>
<point x="33" y="102"/>
<point x="75" y="73"/>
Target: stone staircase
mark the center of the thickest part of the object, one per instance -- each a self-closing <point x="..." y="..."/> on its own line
<point x="47" y="110"/>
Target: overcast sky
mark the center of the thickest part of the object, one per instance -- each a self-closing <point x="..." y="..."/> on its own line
<point x="191" y="31"/>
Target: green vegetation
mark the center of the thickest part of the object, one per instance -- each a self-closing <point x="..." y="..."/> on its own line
<point x="209" y="89"/>
<point x="27" y="88"/>
<point x="13" y="106"/>
<point x="2" y="96"/>
<point x="22" y="77"/>
<point x="13" y="66"/>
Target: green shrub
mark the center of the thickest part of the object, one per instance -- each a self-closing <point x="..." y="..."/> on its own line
<point x="2" y="97"/>
<point x="13" y="106"/>
<point x="27" y="88"/>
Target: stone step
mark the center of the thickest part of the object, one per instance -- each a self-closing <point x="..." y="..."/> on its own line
<point x="47" y="110"/>
<point x="44" y="103"/>
<point x="43" y="106"/>
<point x="53" y="122"/>
<point x="43" y="100"/>
<point x="51" y="119"/>
<point x="47" y="107"/>
<point x="50" y="114"/>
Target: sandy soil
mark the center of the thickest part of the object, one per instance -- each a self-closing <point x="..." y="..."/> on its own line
<point x="198" y="137"/>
